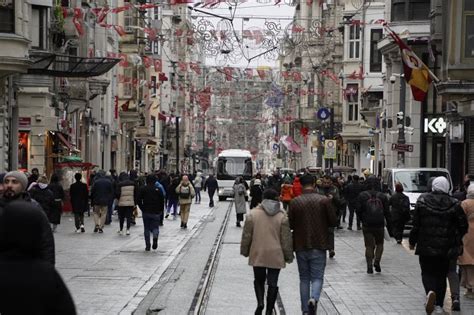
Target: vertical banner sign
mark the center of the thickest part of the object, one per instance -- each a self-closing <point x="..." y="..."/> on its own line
<point x="330" y="151"/>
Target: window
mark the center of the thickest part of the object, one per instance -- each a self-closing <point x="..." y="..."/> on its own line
<point x="153" y="126"/>
<point x="128" y="19"/>
<point x="410" y="10"/>
<point x="468" y="28"/>
<point x="38" y="27"/>
<point x="354" y="41"/>
<point x="127" y="82"/>
<point x="375" y="54"/>
<point x="153" y="86"/>
<point x="352" y="96"/>
<point x="7" y="16"/>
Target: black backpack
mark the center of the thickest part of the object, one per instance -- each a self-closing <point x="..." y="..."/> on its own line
<point x="374" y="214"/>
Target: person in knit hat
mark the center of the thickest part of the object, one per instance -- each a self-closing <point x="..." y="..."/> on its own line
<point x="15" y="184"/>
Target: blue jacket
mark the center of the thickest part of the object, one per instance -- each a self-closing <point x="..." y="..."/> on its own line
<point x="160" y="187"/>
<point x="102" y="192"/>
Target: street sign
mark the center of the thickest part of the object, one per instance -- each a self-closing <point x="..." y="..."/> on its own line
<point x="323" y="113"/>
<point x="330" y="151"/>
<point x="402" y="147"/>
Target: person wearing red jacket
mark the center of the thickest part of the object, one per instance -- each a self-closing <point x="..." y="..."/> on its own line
<point x="297" y="188"/>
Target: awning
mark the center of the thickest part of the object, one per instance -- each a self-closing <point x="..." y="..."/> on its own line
<point x="66" y="143"/>
<point x="70" y="66"/>
<point x="290" y="144"/>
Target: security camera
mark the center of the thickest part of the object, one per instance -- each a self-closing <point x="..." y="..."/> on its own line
<point x="393" y="79"/>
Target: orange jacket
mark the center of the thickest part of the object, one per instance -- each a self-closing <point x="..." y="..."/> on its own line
<point x="297" y="188"/>
<point x="286" y="193"/>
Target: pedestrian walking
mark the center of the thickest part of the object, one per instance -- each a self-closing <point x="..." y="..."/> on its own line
<point x="152" y="203"/>
<point x="353" y="189"/>
<point x="239" y="200"/>
<point x="267" y="242"/>
<point x="24" y="272"/>
<point x="466" y="260"/>
<point x="58" y="194"/>
<point x="286" y="193"/>
<point x="126" y="196"/>
<point x="197" y="186"/>
<point x="41" y="194"/>
<point x="111" y="205"/>
<point x="439" y="223"/>
<point x="297" y="188"/>
<point x="173" y="198"/>
<point x="311" y="215"/>
<point x="256" y="193"/>
<point x="102" y="192"/>
<point x="79" y="194"/>
<point x="158" y="185"/>
<point x="399" y="211"/>
<point x="33" y="177"/>
<point x="275" y="181"/>
<point x="186" y="194"/>
<point x="211" y="186"/>
<point x="374" y="212"/>
<point x="15" y="183"/>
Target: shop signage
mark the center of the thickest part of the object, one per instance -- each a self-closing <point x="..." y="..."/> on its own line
<point x="330" y="149"/>
<point x="323" y="113"/>
<point x="435" y="125"/>
<point x="402" y="147"/>
<point x="24" y="123"/>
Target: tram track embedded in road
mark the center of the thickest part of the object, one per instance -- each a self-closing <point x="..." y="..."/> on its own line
<point x="203" y="292"/>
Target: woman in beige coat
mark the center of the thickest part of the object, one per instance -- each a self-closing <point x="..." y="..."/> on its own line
<point x="466" y="260"/>
<point x="267" y="241"/>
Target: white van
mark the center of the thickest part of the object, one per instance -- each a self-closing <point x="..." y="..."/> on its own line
<point x="414" y="180"/>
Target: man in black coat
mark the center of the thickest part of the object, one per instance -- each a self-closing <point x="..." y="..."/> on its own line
<point x="102" y="193"/>
<point x="15" y="184"/>
<point x="211" y="186"/>
<point x="439" y="224"/>
<point x="79" y="201"/>
<point x="400" y="212"/>
<point x="352" y="191"/>
<point x="374" y="212"/>
<point x="25" y="276"/>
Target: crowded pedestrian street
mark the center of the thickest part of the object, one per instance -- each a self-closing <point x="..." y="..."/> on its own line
<point x="111" y="274"/>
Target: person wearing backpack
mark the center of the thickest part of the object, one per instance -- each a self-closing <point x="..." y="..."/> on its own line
<point x="186" y="194"/>
<point x="400" y="212"/>
<point x="373" y="209"/>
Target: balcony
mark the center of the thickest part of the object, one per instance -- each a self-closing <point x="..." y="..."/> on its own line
<point x="14" y="54"/>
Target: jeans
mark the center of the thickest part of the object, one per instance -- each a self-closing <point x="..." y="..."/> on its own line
<point x="151" y="224"/>
<point x="100" y="214"/>
<point x="373" y="240"/>
<point x="269" y="274"/>
<point x="351" y="214"/>
<point x="198" y="194"/>
<point x="434" y="270"/>
<point x="78" y="219"/>
<point x="453" y="279"/>
<point x="211" y="197"/>
<point x="172" y="203"/>
<point x="110" y="210"/>
<point x="311" y="266"/>
<point x="125" y="213"/>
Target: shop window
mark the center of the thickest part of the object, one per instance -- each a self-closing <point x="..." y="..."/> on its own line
<point x="354" y="41"/>
<point x="7" y="16"/>
<point x="410" y="10"/>
<point x="468" y="29"/>
<point x="375" y="54"/>
<point x="38" y="25"/>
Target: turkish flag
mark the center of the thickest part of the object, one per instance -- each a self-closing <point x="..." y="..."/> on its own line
<point x="124" y="62"/>
<point x="147" y="61"/>
<point x="228" y="73"/>
<point x="158" y="65"/>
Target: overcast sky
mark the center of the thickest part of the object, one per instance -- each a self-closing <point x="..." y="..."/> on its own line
<point x="252" y="16"/>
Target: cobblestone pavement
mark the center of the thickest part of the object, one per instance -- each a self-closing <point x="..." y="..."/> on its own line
<point x="110" y="274"/>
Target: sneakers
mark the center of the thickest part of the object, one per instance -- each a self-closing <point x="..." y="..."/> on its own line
<point x="83" y="230"/>
<point x="167" y="215"/>
<point x="147" y="248"/>
<point x="370" y="270"/>
<point x="128" y="232"/>
<point x="456" y="305"/>
<point x="78" y="231"/>
<point x="430" y="302"/>
<point x="332" y="253"/>
<point x="174" y="218"/>
<point x="377" y="266"/>
<point x="119" y="232"/>
<point x="155" y="243"/>
<point x="399" y="241"/>
<point x="312" y="305"/>
<point x="359" y="228"/>
<point x="349" y="228"/>
<point x="96" y="229"/>
<point x="101" y="231"/>
<point x="238" y="224"/>
<point x="438" y="310"/>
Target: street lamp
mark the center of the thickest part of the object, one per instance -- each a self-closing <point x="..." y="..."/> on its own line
<point x="400" y="116"/>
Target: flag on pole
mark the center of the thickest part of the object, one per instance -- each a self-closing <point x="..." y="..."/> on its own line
<point x="417" y="74"/>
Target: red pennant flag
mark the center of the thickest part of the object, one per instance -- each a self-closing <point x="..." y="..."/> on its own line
<point x="120" y="30"/>
<point x="102" y="15"/>
<point x="78" y="13"/>
<point x="249" y="73"/>
<point x="285" y="75"/>
<point x="297" y="76"/>
<point x="111" y="54"/>
<point x="204" y="98"/>
<point x="147" y="61"/>
<point x="183" y="66"/>
<point x="78" y="25"/>
<point x="148" y="6"/>
<point x="261" y="74"/>
<point x="195" y="67"/>
<point x="124" y="62"/>
<point x="158" y="65"/>
<point x="417" y="74"/>
<point x="228" y="73"/>
<point x="162" y="77"/>
<point x="150" y="32"/>
<point x="120" y="9"/>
